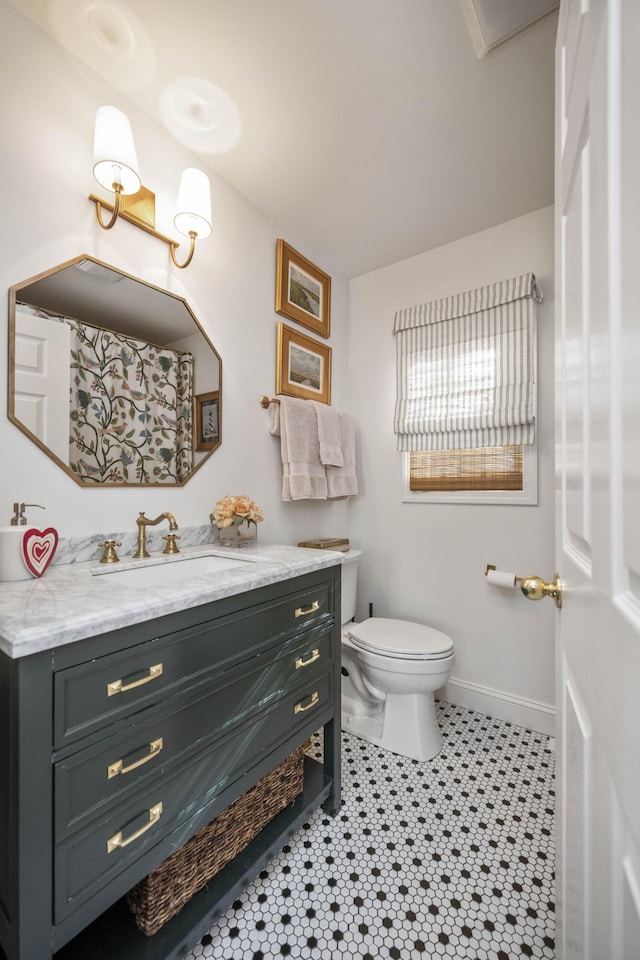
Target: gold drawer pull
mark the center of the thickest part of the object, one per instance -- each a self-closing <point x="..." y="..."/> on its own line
<point x="314" y="699"/>
<point x="312" y="659"/>
<point x="117" y="843"/>
<point x="312" y="609"/>
<point x="117" y="686"/>
<point x="115" y="768"/>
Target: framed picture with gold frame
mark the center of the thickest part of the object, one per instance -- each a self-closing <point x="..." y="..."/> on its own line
<point x="207" y="420"/>
<point x="303" y="366"/>
<point x="303" y="291"/>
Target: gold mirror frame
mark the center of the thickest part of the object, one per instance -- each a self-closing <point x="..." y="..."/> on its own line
<point x="153" y="314"/>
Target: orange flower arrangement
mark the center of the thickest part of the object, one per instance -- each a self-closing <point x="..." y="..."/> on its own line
<point x="236" y="510"/>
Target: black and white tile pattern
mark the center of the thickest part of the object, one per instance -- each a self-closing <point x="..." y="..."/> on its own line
<point x="448" y="858"/>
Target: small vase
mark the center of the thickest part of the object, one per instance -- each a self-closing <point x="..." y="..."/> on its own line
<point x="242" y="535"/>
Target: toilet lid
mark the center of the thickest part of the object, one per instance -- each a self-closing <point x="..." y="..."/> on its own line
<point x="400" y="638"/>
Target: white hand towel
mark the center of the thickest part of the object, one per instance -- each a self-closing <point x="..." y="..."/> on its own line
<point x="303" y="475"/>
<point x="274" y="418"/>
<point x="328" y="435"/>
<point x="342" y="481"/>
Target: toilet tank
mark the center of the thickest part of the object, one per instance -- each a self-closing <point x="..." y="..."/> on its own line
<point x="349" y="584"/>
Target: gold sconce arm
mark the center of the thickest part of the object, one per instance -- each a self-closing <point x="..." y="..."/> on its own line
<point x="117" y="189"/>
<point x="174" y="246"/>
<point x="144" y="217"/>
<point x="121" y="209"/>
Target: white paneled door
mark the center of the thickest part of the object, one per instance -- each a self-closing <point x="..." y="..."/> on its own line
<point x="42" y="379"/>
<point x="598" y="478"/>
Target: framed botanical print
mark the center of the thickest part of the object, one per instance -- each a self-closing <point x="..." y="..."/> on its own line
<point x="303" y="366"/>
<point x="207" y="420"/>
<point x="303" y="291"/>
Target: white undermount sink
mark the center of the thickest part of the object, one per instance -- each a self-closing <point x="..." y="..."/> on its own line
<point x="165" y="573"/>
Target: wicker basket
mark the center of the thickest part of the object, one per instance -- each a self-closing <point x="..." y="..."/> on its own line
<point x="165" y="891"/>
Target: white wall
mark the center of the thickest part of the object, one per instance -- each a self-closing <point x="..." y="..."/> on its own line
<point x="47" y="116"/>
<point x="426" y="562"/>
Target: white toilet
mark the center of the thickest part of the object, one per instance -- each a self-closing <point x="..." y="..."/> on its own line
<point x="393" y="668"/>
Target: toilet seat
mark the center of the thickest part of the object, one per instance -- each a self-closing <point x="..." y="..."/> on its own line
<point x="402" y="639"/>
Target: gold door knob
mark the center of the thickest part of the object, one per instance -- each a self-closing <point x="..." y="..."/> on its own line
<point x="535" y="588"/>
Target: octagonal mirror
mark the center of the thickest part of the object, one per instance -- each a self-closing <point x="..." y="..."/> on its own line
<point x="112" y="377"/>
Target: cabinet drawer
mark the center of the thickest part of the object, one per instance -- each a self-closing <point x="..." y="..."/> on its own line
<point x="88" y="696"/>
<point x="91" y="858"/>
<point x="157" y="739"/>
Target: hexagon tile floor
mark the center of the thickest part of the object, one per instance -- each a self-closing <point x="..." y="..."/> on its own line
<point x="447" y="858"/>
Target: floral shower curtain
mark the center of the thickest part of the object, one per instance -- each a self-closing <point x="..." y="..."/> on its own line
<point x="131" y="409"/>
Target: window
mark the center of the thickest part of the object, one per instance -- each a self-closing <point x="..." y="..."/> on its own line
<point x="505" y="475"/>
<point x="485" y="468"/>
<point x="466" y="401"/>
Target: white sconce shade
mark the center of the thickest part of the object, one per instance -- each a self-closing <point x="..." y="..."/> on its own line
<point x="115" y="167"/>
<point x="114" y="153"/>
<point x="193" y="212"/>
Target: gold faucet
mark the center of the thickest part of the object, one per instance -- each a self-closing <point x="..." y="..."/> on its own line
<point x="110" y="555"/>
<point x="143" y="523"/>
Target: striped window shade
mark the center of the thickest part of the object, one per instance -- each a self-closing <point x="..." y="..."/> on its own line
<point x="466" y="369"/>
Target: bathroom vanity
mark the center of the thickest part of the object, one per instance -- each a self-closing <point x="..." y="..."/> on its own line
<point x="131" y="716"/>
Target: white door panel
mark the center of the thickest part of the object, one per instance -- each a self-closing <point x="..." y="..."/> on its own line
<point x="576" y="480"/>
<point x="629" y="341"/>
<point x="598" y="478"/>
<point x="42" y="380"/>
<point x="630" y="924"/>
<point x="575" y="797"/>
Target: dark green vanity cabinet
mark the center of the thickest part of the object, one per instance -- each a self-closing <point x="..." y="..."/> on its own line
<point x="115" y="750"/>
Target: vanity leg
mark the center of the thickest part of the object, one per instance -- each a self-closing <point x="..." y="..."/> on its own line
<point x="332" y="766"/>
<point x="25" y="808"/>
<point x="332" y="729"/>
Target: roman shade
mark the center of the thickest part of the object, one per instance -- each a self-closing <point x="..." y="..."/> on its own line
<point x="466" y="368"/>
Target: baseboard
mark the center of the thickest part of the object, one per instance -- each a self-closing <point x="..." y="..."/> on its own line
<point x="531" y="714"/>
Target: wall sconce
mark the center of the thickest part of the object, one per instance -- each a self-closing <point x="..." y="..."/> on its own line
<point x="115" y="167"/>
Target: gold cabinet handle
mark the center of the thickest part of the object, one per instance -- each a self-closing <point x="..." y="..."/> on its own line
<point x="312" y="659"/>
<point x="115" y="768"/>
<point x="117" y="843"/>
<point x="118" y="686"/>
<point x="312" y="702"/>
<point x="303" y="613"/>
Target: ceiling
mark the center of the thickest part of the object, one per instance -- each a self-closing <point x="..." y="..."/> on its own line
<point x="368" y="129"/>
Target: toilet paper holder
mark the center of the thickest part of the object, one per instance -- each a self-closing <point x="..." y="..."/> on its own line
<point x="535" y="588"/>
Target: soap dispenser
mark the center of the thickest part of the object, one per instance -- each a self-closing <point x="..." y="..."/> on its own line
<point x="18" y="519"/>
<point x="12" y="564"/>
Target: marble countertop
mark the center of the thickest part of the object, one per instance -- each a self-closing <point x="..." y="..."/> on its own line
<point x="74" y="601"/>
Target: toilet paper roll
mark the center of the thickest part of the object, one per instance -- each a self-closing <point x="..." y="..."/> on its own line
<point x="501" y="578"/>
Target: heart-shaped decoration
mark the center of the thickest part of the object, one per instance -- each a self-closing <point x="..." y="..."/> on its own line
<point x="38" y="549"/>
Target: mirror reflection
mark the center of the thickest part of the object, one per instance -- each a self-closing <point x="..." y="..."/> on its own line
<point x="114" y="378"/>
